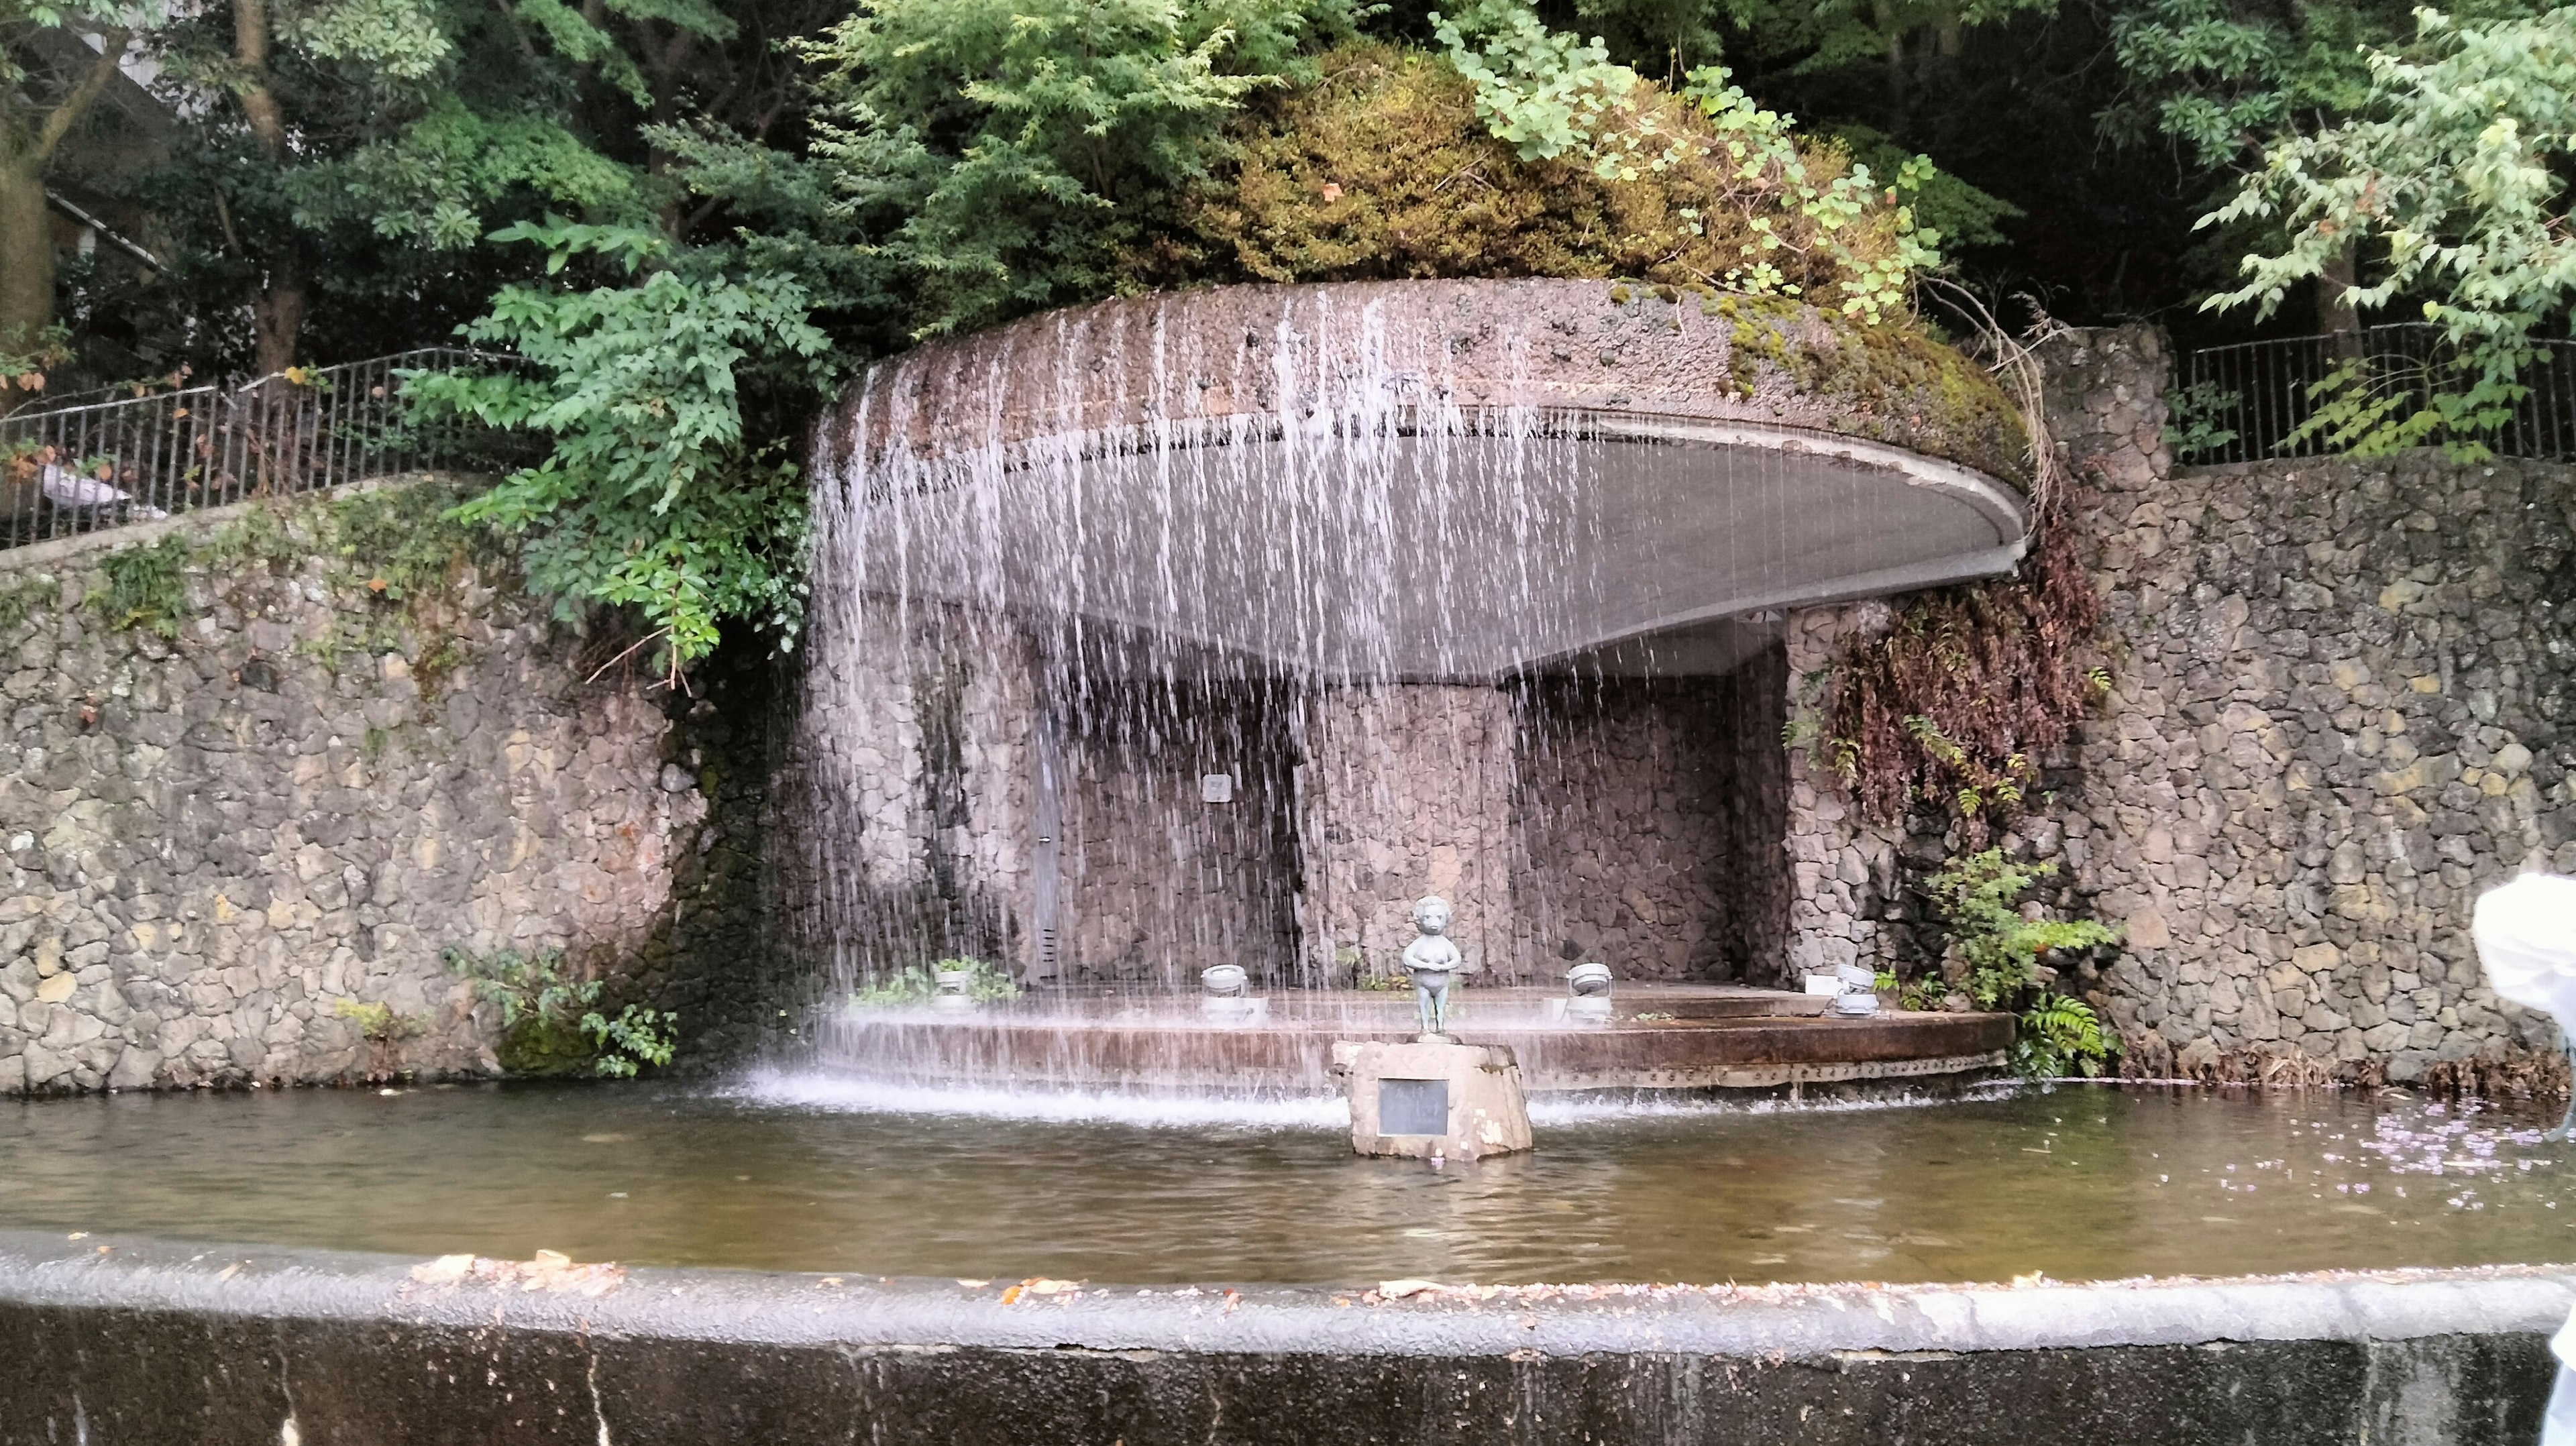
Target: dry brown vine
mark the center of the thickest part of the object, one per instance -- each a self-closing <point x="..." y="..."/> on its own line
<point x="1952" y="703"/>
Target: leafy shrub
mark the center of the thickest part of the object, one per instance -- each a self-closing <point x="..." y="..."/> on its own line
<point x="636" y="1037"/>
<point x="2058" y="1036"/>
<point x="653" y="496"/>
<point x="377" y="1021"/>
<point x="542" y="1033"/>
<point x="1978" y="899"/>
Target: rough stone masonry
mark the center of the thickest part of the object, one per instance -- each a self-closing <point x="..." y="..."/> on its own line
<point x="2342" y="708"/>
<point x="213" y="841"/>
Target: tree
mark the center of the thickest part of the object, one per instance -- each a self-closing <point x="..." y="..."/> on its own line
<point x="998" y="152"/>
<point x="2454" y="174"/>
<point x="654" y="494"/>
<point x="349" y="144"/>
<point x="2222" y="79"/>
<point x="57" y="57"/>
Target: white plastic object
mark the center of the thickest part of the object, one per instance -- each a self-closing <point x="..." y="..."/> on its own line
<point x="2526" y="937"/>
<point x="1826" y="984"/>
<point x="2558" y="1423"/>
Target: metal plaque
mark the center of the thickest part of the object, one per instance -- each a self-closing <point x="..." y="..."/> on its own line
<point x="1413" y="1107"/>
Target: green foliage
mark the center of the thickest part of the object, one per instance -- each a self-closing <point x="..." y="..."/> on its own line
<point x="551" y="1024"/>
<point x="437" y="182"/>
<point x="653" y="496"/>
<point x="1548" y="95"/>
<point x="636" y="1037"/>
<point x="2216" y="75"/>
<point x="1546" y="92"/>
<point x="521" y="985"/>
<point x="378" y="1021"/>
<point x="1977" y="898"/>
<point x="147" y="587"/>
<point x="27" y="596"/>
<point x="2057" y="1037"/>
<point x="2454" y="174"/>
<point x="2194" y="418"/>
<point x="1946" y="207"/>
<point x="918" y="983"/>
<point x="998" y="153"/>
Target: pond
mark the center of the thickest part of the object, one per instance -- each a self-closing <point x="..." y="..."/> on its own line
<point x="806" y="1172"/>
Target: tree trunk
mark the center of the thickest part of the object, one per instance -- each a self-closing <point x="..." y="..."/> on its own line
<point x="277" y="313"/>
<point x="26" y="231"/>
<point x="2335" y="314"/>
<point x="26" y="260"/>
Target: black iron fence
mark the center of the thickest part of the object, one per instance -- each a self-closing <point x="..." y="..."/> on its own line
<point x="66" y="470"/>
<point x="2250" y="401"/>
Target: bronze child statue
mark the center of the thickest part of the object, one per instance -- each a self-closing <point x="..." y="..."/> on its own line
<point x="1431" y="959"/>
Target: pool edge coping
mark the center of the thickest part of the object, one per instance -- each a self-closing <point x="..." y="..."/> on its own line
<point x="57" y="1270"/>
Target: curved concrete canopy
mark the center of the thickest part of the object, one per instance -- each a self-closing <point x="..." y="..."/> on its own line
<point x="1413" y="479"/>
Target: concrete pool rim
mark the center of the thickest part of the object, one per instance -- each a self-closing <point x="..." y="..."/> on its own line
<point x="54" y="1269"/>
<point x="131" y="1339"/>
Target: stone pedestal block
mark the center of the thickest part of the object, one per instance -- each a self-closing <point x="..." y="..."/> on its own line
<point x="1459" y="1101"/>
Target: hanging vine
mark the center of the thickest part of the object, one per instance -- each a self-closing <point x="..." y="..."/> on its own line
<point x="1953" y="702"/>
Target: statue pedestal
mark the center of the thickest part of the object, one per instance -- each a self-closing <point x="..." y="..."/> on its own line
<point x="1459" y="1101"/>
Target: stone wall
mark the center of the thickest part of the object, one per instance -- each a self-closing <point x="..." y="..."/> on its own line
<point x="1406" y="789"/>
<point x="2341" y="704"/>
<point x="2343" y="712"/>
<point x="1650" y="824"/>
<point x="1632" y="822"/>
<point x="913" y="789"/>
<point x="215" y="840"/>
<point x="1846" y="881"/>
<point x="1162" y="881"/>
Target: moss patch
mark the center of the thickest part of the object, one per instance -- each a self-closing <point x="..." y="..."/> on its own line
<point x="1381" y="170"/>
<point x="1892" y="381"/>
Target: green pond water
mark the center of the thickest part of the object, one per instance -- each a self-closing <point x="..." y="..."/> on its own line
<point x="809" y="1173"/>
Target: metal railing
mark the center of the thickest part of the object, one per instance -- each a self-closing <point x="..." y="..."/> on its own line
<point x="66" y="470"/>
<point x="2246" y="402"/>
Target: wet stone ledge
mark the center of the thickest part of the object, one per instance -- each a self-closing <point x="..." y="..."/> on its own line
<point x="132" y="1340"/>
